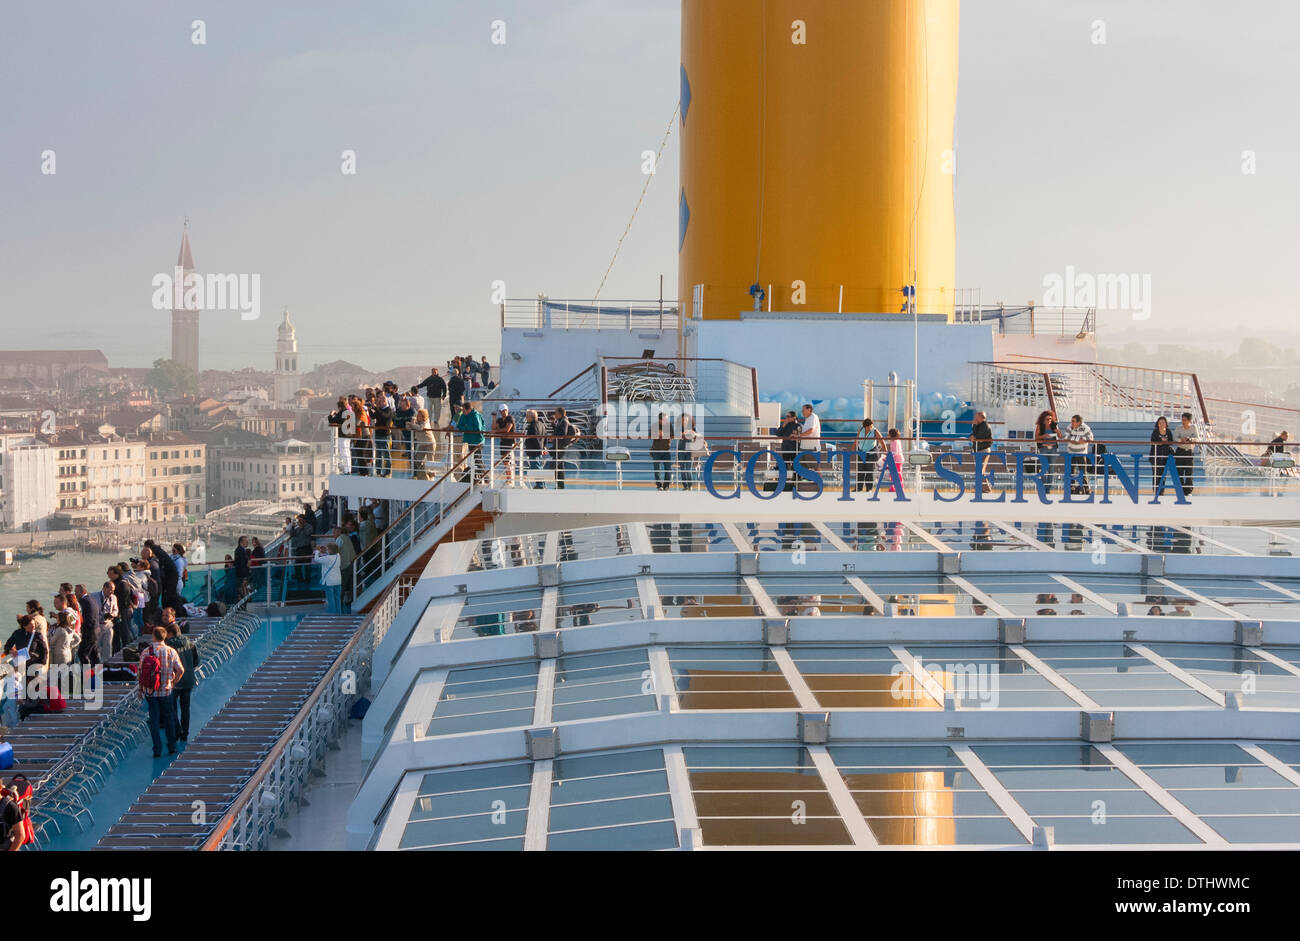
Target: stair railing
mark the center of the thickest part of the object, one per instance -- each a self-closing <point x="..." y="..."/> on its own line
<point x="379" y="556"/>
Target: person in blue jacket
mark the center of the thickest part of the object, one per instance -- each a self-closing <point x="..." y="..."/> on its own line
<point x="472" y="425"/>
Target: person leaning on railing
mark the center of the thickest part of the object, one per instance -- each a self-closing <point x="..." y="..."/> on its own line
<point x="1184" y="435"/>
<point x="346" y="554"/>
<point x="1047" y="439"/>
<point x="1078" y="441"/>
<point x="535" y="450"/>
<point x="1161" y="447"/>
<point x="661" y="453"/>
<point x="563" y="432"/>
<point x="471" y="426"/>
<point x="504" y="428"/>
<point x="692" y="450"/>
<point x="871" y="443"/>
<point x="981" y="436"/>
<point x="421" y="430"/>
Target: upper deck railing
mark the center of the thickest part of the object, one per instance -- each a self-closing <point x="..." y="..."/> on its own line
<point x="1100" y="391"/>
<point x="629" y="463"/>
<point x="542" y="313"/>
<point x="1032" y="320"/>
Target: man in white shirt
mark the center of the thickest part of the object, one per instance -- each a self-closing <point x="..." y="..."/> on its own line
<point x="810" y="430"/>
<point x="1078" y="442"/>
<point x="1184" y="435"/>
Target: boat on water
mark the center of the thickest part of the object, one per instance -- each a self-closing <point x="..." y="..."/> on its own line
<point x="7" y="561"/>
<point x="25" y="555"/>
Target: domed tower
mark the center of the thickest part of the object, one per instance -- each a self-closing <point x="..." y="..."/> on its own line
<point x="286" y="362"/>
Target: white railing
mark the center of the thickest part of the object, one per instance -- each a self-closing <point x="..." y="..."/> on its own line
<point x="546" y="313"/>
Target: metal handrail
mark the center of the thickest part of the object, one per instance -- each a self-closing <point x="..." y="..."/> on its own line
<point x="579" y="376"/>
<point x="380" y="542"/>
<point x="372" y="628"/>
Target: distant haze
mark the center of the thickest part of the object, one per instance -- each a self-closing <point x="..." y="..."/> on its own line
<point x="521" y="162"/>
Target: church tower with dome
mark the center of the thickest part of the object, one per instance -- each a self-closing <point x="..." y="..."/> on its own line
<point x="286" y="362"/>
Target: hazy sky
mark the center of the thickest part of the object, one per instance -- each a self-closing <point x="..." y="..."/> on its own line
<point x="522" y="162"/>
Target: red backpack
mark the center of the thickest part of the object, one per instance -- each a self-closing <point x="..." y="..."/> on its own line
<point x="150" y="676"/>
<point x="54" y="701"/>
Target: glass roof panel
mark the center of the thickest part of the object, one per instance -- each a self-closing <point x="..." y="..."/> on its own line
<point x="689" y="537"/>
<point x="491" y="614"/>
<point x="604" y="684"/>
<point x="1071" y="537"/>
<point x="1116" y="676"/>
<point x="870" y="536"/>
<point x="1248" y="538"/>
<point x="816" y="596"/>
<point x="921" y="796"/>
<point x="924" y="595"/>
<point x="1259" y="829"/>
<point x="990" y="677"/>
<point x="729" y="678"/>
<point x="478" y="808"/>
<point x="480" y="698"/>
<point x="1232" y="669"/>
<point x="974" y="536"/>
<point x="598" y="602"/>
<point x="764" y="796"/>
<point x="1245" y="596"/>
<point x="860" y="678"/>
<point x="716" y="596"/>
<point x="1034" y="594"/>
<point x="593" y="542"/>
<point x="1117" y="829"/>
<point x="1147" y="596"/>
<point x="782" y="537"/>
<point x="598" y="803"/>
<point x="508" y="552"/>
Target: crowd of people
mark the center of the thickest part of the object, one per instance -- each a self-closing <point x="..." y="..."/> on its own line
<point x="439" y="423"/>
<point x="416" y="426"/>
<point x="127" y="629"/>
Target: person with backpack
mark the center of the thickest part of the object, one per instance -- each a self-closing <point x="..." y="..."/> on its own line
<point x="159" y="670"/>
<point x="188" y="652"/>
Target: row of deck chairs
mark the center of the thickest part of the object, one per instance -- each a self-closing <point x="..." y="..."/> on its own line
<point x="217" y="765"/>
<point x="650" y="382"/>
<point x="68" y="755"/>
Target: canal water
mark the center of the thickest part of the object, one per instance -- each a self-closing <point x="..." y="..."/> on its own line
<point x="40" y="578"/>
